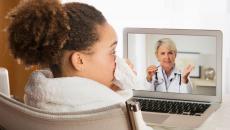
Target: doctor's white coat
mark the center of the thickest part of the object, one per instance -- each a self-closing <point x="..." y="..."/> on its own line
<point x="163" y="83"/>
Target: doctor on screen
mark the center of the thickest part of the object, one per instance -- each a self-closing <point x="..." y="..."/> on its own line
<point x="166" y="77"/>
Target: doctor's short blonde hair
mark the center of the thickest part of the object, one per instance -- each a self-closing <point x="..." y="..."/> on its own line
<point x="165" y="41"/>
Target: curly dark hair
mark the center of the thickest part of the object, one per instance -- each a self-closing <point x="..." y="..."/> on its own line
<point x="40" y="30"/>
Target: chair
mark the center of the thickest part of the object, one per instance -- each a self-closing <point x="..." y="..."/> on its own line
<point x="15" y="115"/>
<point x="4" y="82"/>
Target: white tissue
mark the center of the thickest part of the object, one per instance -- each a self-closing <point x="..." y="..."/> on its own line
<point x="125" y="78"/>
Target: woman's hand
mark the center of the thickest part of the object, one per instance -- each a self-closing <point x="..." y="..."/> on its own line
<point x="131" y="65"/>
<point x="186" y="72"/>
<point x="151" y="70"/>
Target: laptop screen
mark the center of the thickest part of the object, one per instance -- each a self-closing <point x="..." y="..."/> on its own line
<point x="175" y="60"/>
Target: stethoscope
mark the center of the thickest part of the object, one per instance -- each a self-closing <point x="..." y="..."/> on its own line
<point x="157" y="83"/>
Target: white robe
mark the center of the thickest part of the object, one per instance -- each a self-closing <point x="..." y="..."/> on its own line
<point x="69" y="93"/>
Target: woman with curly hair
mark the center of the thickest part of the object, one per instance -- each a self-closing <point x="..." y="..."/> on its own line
<point x="77" y="44"/>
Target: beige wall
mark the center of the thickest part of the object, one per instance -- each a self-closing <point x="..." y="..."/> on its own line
<point x="18" y="74"/>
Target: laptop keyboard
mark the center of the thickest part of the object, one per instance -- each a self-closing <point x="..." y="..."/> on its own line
<point x="172" y="106"/>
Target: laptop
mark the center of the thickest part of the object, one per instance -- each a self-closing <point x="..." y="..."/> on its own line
<point x="203" y="49"/>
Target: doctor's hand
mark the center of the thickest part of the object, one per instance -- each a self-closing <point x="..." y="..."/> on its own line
<point x="151" y="70"/>
<point x="186" y="72"/>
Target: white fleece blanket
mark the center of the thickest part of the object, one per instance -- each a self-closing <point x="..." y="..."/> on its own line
<point x="76" y="93"/>
<point x="69" y="93"/>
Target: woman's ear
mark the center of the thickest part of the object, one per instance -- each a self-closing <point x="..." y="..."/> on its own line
<point x="76" y="61"/>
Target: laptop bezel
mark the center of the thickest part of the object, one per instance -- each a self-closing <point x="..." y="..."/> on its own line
<point x="195" y="32"/>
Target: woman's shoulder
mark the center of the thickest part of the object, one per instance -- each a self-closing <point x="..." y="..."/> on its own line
<point x="78" y="92"/>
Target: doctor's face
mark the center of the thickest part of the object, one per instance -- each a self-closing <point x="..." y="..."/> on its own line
<point x="166" y="57"/>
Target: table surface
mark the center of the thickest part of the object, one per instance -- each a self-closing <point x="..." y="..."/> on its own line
<point x="219" y="120"/>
